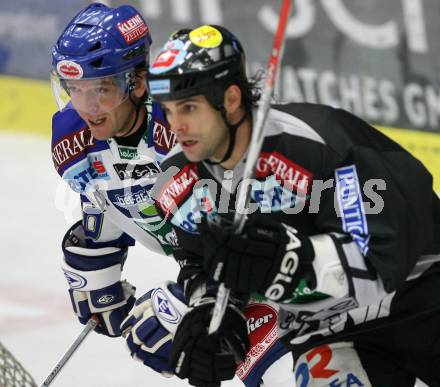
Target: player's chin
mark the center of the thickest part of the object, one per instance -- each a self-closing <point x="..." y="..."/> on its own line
<point x="192" y="155"/>
<point x="194" y="158"/>
<point x="101" y="133"/>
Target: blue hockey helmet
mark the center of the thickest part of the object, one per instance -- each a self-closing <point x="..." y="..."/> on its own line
<point x="98" y="43"/>
<point x="101" y="41"/>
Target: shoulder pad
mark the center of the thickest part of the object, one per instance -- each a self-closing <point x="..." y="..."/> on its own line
<point x="162" y="138"/>
<point x="71" y="140"/>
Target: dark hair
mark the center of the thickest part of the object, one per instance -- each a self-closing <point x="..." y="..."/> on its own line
<point x="250" y="90"/>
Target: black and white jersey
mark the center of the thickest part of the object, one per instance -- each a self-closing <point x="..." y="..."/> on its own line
<point x="365" y="202"/>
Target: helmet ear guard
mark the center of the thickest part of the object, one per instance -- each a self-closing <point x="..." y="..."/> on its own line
<point x="131" y="81"/>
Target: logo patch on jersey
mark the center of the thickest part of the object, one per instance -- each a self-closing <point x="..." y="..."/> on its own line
<point x="127" y="153"/>
<point x="75" y="280"/>
<point x="271" y="196"/>
<point x="289" y="173"/>
<point x="136" y="171"/>
<point x="163" y="232"/>
<point x="85" y="172"/>
<point x="351" y="206"/>
<point x="331" y="365"/>
<point x="69" y="70"/>
<point x="98" y="166"/>
<point x="132" y="29"/>
<point x="130" y="198"/>
<point x="191" y="210"/>
<point x="163" y="138"/>
<point x="175" y="189"/>
<point x="261" y="321"/>
<point x="71" y="147"/>
<point x="164" y="307"/>
<point x="134" y="202"/>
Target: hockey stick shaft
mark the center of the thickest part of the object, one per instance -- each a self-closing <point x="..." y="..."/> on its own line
<point x="254" y="149"/>
<point x="90" y="326"/>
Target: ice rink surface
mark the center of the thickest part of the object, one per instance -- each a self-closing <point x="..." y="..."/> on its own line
<point x="36" y="321"/>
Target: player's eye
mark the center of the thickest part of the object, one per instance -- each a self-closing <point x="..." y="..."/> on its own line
<point x="188" y="108"/>
<point x="71" y="89"/>
<point x="102" y="90"/>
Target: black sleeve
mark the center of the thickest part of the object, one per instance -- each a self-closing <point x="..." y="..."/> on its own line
<point x="391" y="227"/>
<point x="188" y="255"/>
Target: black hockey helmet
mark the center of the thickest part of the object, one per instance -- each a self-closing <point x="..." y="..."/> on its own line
<point x="205" y="60"/>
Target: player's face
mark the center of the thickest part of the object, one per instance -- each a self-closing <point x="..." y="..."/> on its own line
<point x="109" y="124"/>
<point x="104" y="104"/>
<point x="97" y="96"/>
<point x="199" y="128"/>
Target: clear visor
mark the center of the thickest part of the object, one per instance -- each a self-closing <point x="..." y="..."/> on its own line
<point x="91" y="96"/>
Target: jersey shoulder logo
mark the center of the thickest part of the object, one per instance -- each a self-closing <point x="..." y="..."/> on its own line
<point x="285" y="170"/>
<point x="71" y="147"/>
<point x="177" y="188"/>
<point x="163" y="138"/>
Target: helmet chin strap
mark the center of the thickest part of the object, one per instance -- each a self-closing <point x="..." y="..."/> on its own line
<point x="232" y="136"/>
<point x="138" y="109"/>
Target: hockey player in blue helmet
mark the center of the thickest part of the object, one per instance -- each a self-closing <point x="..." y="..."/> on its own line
<point x="108" y="140"/>
<point x="99" y="65"/>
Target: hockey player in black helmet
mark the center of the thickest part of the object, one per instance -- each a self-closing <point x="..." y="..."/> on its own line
<point x="350" y="267"/>
<point x="210" y="66"/>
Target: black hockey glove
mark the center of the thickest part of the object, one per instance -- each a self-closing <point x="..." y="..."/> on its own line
<point x="205" y="359"/>
<point x="268" y="257"/>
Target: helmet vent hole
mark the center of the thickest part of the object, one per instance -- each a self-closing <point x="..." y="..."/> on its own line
<point x="228" y="51"/>
<point x="96" y="63"/>
<point x="185" y="84"/>
<point x="95" y="47"/>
